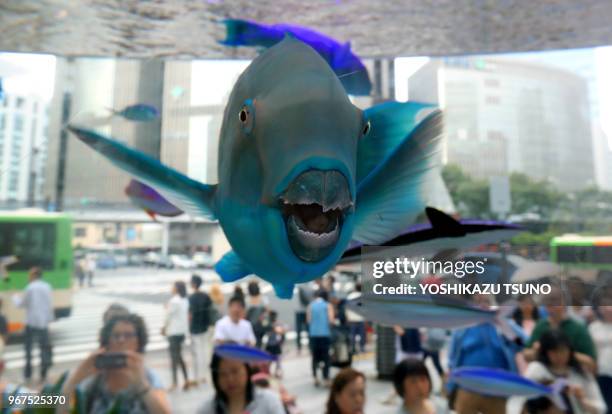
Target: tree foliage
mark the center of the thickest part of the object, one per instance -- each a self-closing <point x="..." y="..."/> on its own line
<point x="590" y="209"/>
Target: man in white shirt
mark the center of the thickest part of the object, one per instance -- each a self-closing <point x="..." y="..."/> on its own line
<point x="38" y="303"/>
<point x="233" y="327"/>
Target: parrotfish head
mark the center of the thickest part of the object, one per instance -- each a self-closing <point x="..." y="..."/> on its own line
<point x="288" y="157"/>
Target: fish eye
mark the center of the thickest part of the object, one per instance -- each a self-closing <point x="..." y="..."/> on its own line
<point x="246" y="116"/>
<point x="243" y="115"/>
<point x="366" y="128"/>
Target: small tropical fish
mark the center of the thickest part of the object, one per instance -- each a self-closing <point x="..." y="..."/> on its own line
<point x="243" y="353"/>
<point x="418" y="310"/>
<point x="302" y="171"/>
<point x="501" y="383"/>
<point x="150" y="200"/>
<point x="138" y="112"/>
<point x="442" y="236"/>
<point x="349" y="68"/>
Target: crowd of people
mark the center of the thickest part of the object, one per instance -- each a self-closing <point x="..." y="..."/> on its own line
<point x="558" y="337"/>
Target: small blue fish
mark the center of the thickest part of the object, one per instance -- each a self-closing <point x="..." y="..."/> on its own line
<point x="150" y="200"/>
<point x="349" y="68"/>
<point x="302" y="171"/>
<point x="500" y="383"/>
<point x="243" y="353"/>
<point x="418" y="310"/>
<point x="138" y="113"/>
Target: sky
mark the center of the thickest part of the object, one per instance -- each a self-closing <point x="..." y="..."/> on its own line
<point x="28" y="74"/>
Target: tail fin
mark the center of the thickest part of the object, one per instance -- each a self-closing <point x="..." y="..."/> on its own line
<point x="557" y="398"/>
<point x="501" y="320"/>
<point x="243" y="33"/>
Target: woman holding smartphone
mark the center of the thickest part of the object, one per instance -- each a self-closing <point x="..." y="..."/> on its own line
<point x="116" y="371"/>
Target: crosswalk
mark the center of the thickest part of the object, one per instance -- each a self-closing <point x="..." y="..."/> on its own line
<point x="75" y="337"/>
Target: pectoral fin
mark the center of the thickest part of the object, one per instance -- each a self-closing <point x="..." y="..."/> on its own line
<point x="284" y="291"/>
<point x="231" y="267"/>
<point x="196" y="198"/>
<point x="391" y="197"/>
<point x="391" y="123"/>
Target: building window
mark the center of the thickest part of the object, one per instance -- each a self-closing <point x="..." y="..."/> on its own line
<point x="13" y="182"/>
<point x="493" y="135"/>
<point x="20" y="103"/>
<point x="18" y="123"/>
<point x="492" y="100"/>
<point x="80" y="232"/>
<point x="2" y="121"/>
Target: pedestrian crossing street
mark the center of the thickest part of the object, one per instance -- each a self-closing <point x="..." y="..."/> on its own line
<point x="144" y="293"/>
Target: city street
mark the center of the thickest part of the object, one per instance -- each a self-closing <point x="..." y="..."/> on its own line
<point x="145" y="291"/>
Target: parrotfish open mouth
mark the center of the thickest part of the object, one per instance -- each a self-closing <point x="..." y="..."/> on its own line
<point x="314" y="207"/>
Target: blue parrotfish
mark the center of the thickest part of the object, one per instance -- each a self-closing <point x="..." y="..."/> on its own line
<point x="150" y="200"/>
<point x="301" y="169"/>
<point x="243" y="353"/>
<point x="501" y="383"/>
<point x="138" y="113"/>
<point x="349" y="68"/>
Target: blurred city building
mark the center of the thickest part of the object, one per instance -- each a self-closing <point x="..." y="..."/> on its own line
<point x="603" y="158"/>
<point x="506" y="116"/>
<point x="583" y="62"/>
<point x="86" y="89"/>
<point x="23" y="149"/>
<point x="93" y="189"/>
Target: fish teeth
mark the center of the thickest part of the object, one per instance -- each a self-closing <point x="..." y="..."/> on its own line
<point x="337" y="204"/>
<point x="313" y="240"/>
<point x="329" y="189"/>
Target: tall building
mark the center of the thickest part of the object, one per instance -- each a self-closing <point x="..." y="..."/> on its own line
<point x="23" y="149"/>
<point x="603" y="158"/>
<point x="87" y="89"/>
<point x="505" y="116"/>
<point x="184" y="138"/>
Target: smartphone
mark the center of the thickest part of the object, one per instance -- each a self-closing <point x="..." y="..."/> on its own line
<point x="111" y="360"/>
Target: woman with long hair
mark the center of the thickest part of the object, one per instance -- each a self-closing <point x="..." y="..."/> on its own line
<point x="526" y="314"/>
<point x="347" y="393"/>
<point x="176" y="329"/>
<point x="556" y="359"/>
<point x="235" y="392"/>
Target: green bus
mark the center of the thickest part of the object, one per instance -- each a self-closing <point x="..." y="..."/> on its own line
<point x="36" y="239"/>
<point x="583" y="252"/>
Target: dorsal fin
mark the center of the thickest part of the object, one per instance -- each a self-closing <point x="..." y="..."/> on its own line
<point x="443" y="223"/>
